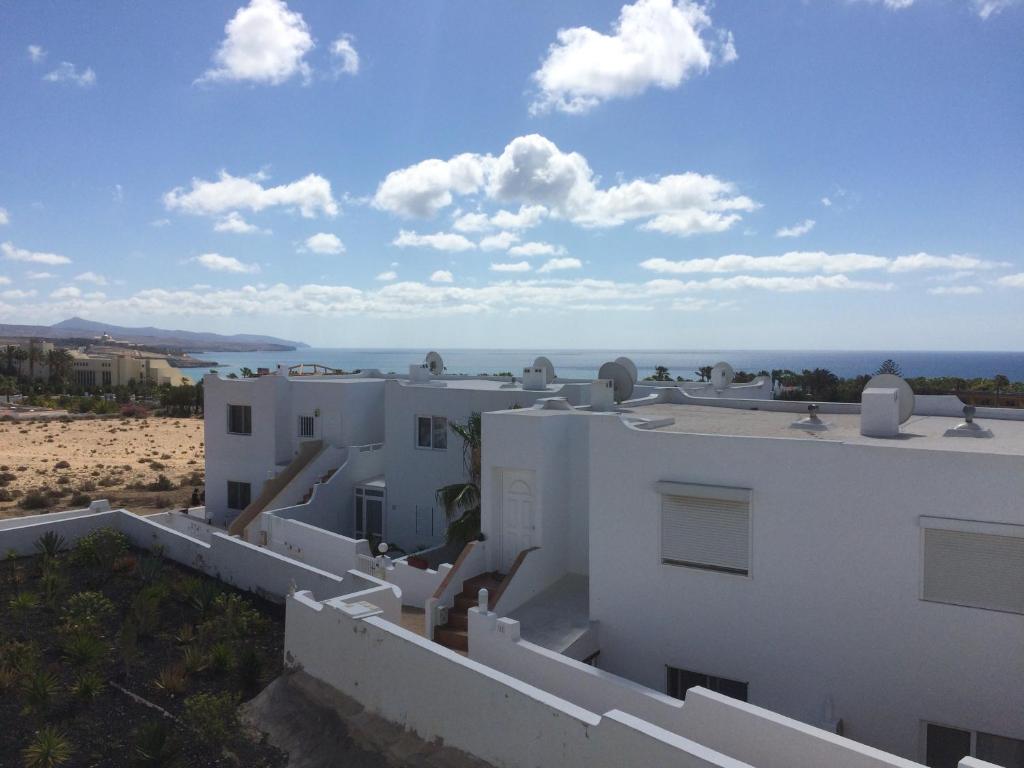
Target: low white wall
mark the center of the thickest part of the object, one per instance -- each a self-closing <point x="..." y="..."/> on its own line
<point x="72" y="526"/>
<point x="539" y="570"/>
<point x="473" y="564"/>
<point x="308" y="544"/>
<point x="187" y="524"/>
<point x="953" y="406"/>
<point x="438" y="694"/>
<point x="417" y="585"/>
<point x="100" y="505"/>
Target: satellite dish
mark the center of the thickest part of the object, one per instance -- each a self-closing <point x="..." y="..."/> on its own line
<point x="549" y="369"/>
<point x="891" y="381"/>
<point x="622" y="382"/>
<point x="435" y="363"/>
<point x="629" y="365"/>
<point x="722" y="375"/>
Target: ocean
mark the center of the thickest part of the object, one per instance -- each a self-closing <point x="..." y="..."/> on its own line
<point x="584" y="363"/>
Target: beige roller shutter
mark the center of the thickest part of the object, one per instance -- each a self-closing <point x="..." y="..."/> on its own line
<point x="974" y="569"/>
<point x="704" y="532"/>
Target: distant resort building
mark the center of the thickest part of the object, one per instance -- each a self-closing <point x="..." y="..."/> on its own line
<point x="667" y="573"/>
<point x="103" y="365"/>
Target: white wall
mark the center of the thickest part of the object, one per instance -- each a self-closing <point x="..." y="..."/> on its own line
<point x="308" y="544"/>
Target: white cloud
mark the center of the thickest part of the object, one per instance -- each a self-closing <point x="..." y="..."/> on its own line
<point x="67" y="292"/>
<point x="265" y="42"/>
<point x="826" y="201"/>
<point x="471" y="222"/>
<point x="553" y="265"/>
<point x="515" y="266"/>
<point x="535" y="173"/>
<point x="1012" y="281"/>
<point x="537" y="249"/>
<point x="345" y="56"/>
<point x="816" y="261"/>
<point x="234" y="222"/>
<point x="160" y="223"/>
<point x="955" y="290"/>
<point x="17" y="293"/>
<point x="527" y="217"/>
<point x="309" y="195"/>
<point x="441" y="241"/>
<point x="66" y="72"/>
<point x="91" y="277"/>
<point x="387" y="276"/>
<point x="691" y="304"/>
<point x="5" y="218"/>
<point x="921" y="261"/>
<point x="423" y="189"/>
<point x="39" y="275"/>
<point x="217" y="263"/>
<point x="5" y="280"/>
<point x="775" y="284"/>
<point x="986" y="8"/>
<point x="36" y="53"/>
<point x="13" y="253"/>
<point x="654" y="43"/>
<point x="797" y="230"/>
<point x="502" y="241"/>
<point x="325" y="242"/>
<point x="441" y="276"/>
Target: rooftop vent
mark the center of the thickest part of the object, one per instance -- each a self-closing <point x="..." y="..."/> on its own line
<point x="535" y="378"/>
<point x="602" y="395"/>
<point x="810" y="422"/>
<point x="968" y="427"/>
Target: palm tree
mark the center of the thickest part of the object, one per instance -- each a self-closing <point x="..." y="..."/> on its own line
<point x="59" y="363"/>
<point x="704" y="373"/>
<point x="661" y="373"/>
<point x="35" y="355"/>
<point x="1001" y="382"/>
<point x="20" y="356"/>
<point x="461" y="501"/>
<point x="9" y="351"/>
<point x="8" y="386"/>
<point x="246" y="372"/>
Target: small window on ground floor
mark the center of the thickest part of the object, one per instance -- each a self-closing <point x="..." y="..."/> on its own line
<point x="682" y="680"/>
<point x="238" y="494"/>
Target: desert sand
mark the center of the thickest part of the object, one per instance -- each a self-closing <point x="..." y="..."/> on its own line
<point x="110" y="458"/>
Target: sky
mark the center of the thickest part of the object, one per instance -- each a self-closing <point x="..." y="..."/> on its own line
<point x="780" y="174"/>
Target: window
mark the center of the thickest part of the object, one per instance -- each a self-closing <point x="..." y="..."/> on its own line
<point x="240" y="419"/>
<point x="305" y="426"/>
<point x="682" y="680"/>
<point x="705" y="527"/>
<point x="238" y="494"/>
<point x="369" y="513"/>
<point x="106" y="378"/>
<point x="432" y="432"/>
<point x="946" y="747"/>
<point x="978" y="568"/>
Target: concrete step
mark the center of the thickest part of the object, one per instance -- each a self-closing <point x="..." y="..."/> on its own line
<point x="457" y="619"/>
<point x="449" y="637"/>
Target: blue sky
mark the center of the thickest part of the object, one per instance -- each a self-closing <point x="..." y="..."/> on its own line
<point x="815" y="174"/>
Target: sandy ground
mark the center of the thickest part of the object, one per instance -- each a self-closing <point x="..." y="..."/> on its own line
<point x="106" y="457"/>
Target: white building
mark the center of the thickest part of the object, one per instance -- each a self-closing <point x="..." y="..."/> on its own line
<point x="873" y="586"/>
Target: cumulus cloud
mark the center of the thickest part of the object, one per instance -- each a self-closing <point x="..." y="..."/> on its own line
<point x="924" y="261"/>
<point x="776" y="284"/>
<point x="5" y="218"/>
<point x="309" y="195"/>
<point x="325" y="242"/>
<point x="91" y="277"/>
<point x="217" y="263"/>
<point x="346" y="59"/>
<point x="654" y="43"/>
<point x="955" y="290"/>
<point x="441" y="241"/>
<point x="797" y="230"/>
<point x="533" y="172"/>
<point x="984" y="8"/>
<point x="264" y="42"/>
<point x="1012" y="281"/>
<point x="39" y="275"/>
<point x="441" y="276"/>
<point x="17" y="293"/>
<point x="234" y="222"/>
<point x="515" y="266"/>
<point x="36" y="52"/>
<point x="67" y="292"/>
<point x="5" y="280"/>
<point x="554" y="265"/>
<point x="502" y="241"/>
<point x="387" y="276"/>
<point x="817" y="261"/>
<point x="537" y="249"/>
<point x="66" y="72"/>
<point x="13" y="253"/>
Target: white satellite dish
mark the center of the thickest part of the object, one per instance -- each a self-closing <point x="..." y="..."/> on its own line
<point x="549" y="368"/>
<point x="722" y="375"/>
<point x="629" y="365"/>
<point x="435" y="363"/>
<point x="622" y="382"/>
<point x="891" y="381"/>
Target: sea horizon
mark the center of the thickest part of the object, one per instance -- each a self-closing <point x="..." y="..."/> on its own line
<point x="584" y="363"/>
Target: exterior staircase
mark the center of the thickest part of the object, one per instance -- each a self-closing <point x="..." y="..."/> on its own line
<point x="309" y="494"/>
<point x="455" y="634"/>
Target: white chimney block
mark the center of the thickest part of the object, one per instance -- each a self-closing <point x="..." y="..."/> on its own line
<point x="419" y="372"/>
<point x="880" y="412"/>
<point x="602" y="395"/>
<point x="535" y="378"/>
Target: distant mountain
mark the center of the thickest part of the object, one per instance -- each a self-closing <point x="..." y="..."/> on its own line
<point x="79" y="328"/>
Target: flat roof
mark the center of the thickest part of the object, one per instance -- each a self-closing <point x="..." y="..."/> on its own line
<point x="923" y="432"/>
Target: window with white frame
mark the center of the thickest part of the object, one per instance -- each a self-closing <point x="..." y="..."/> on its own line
<point x="945" y="747"/>
<point x="974" y="564"/>
<point x="432" y="432"/>
<point x="306" y="426"/>
<point x="706" y="527"/>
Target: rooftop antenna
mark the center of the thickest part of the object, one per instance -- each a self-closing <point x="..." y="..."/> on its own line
<point x="629" y="365"/>
<point x="722" y="375"/>
<point x="622" y="382"/>
<point x="906" y="394"/>
<point x="811" y="422"/>
<point x="435" y="363"/>
<point x="549" y="368"/>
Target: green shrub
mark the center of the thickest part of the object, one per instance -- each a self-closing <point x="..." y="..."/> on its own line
<point x="248" y="669"/>
<point x="214" y="716"/>
<point x="38" y="690"/>
<point x="83" y="649"/>
<point x="172" y="678"/>
<point x="101" y="548"/>
<point x="80" y="500"/>
<point x="34" y="499"/>
<point x="220" y="658"/>
<point x="49" y="544"/>
<point x="86" y="612"/>
<point x="87" y="686"/>
<point x="49" y="748"/>
<point x="162" y="483"/>
<point x="155" y="746"/>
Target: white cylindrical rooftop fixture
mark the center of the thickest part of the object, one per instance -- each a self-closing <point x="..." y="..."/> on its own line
<point x="968" y="427"/>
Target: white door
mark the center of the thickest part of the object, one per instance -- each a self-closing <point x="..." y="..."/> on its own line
<point x="518" y="516"/>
